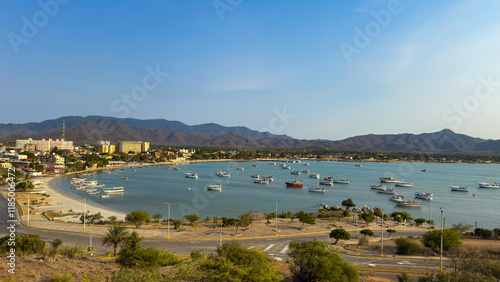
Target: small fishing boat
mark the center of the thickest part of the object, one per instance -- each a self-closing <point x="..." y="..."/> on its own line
<point x="378" y="186"/>
<point x="222" y="174"/>
<point x="214" y="187"/>
<point x="294" y="184"/>
<point x="268" y="178"/>
<point x="424" y="196"/>
<point x="255" y="175"/>
<point x="389" y="179"/>
<point x="114" y="190"/>
<point x="411" y="204"/>
<point x="314" y="175"/>
<point x="358" y="165"/>
<point x="488" y="185"/>
<point x="254" y="165"/>
<point x="240" y="168"/>
<point x="295" y="172"/>
<point x="404" y="184"/>
<point x="386" y="191"/>
<point x="397" y="198"/>
<point x="104" y="196"/>
<point x="326" y="182"/>
<point x="341" y="180"/>
<point x="317" y="189"/>
<point x="459" y="188"/>
<point x="261" y="181"/>
<point x="193" y="175"/>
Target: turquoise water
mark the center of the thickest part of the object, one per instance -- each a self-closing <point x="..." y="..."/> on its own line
<point x="148" y="188"/>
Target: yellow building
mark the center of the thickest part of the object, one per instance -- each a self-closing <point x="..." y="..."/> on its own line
<point x="133" y="146"/>
<point x="110" y="149"/>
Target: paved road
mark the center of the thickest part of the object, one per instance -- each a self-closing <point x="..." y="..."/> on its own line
<point x="276" y="247"/>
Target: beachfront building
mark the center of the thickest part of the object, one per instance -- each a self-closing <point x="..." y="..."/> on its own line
<point x="133" y="146"/>
<point x="105" y="147"/>
<point x="43" y="145"/>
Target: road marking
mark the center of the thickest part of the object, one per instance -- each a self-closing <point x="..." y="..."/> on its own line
<point x="285" y="249"/>
<point x="268" y="247"/>
<point x="251" y="247"/>
<point x="275" y="249"/>
<point x="371" y="264"/>
<point x="278" y="258"/>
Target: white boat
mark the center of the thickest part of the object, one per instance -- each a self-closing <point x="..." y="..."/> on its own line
<point x="404" y="184"/>
<point x="240" y="168"/>
<point x="214" y="187"/>
<point x="271" y="163"/>
<point x="386" y="191"/>
<point x="114" y="190"/>
<point x="295" y="172"/>
<point x="317" y="189"/>
<point x="93" y="193"/>
<point x="488" y="185"/>
<point x="284" y="166"/>
<point x="305" y="170"/>
<point x="459" y="188"/>
<point x="326" y="182"/>
<point x="424" y="196"/>
<point x="222" y="174"/>
<point x="306" y="164"/>
<point x="123" y="177"/>
<point x="341" y="180"/>
<point x="268" y="178"/>
<point x="377" y="186"/>
<point x="358" y="165"/>
<point x="90" y="183"/>
<point x="261" y="181"/>
<point x="424" y="170"/>
<point x="191" y="175"/>
<point x="389" y="179"/>
<point x="314" y="175"/>
<point x="412" y="204"/>
<point x="104" y="196"/>
<point x="255" y="175"/>
<point x="254" y="165"/>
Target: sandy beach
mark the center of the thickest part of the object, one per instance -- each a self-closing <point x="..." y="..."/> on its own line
<point x="66" y="203"/>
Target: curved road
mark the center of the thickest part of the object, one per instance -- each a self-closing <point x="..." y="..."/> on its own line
<point x="276" y="247"/>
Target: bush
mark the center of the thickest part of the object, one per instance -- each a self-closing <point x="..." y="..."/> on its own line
<point x="71" y="252"/>
<point x="238" y="263"/>
<point x="406" y="246"/>
<point x="134" y="256"/>
<point x="56" y="243"/>
<point x="451" y="238"/>
<point x="28" y="244"/>
<point x="58" y="277"/>
<point x="197" y="254"/>
<point x="138" y="218"/>
<point x="404" y="277"/>
<point x="363" y="241"/>
<point x="314" y="261"/>
<point x="485" y="233"/>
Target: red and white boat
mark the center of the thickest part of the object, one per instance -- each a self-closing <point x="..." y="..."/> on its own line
<point x="294" y="184"/>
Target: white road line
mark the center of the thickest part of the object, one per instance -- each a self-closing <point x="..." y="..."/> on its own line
<point x="251" y="247"/>
<point x="285" y="249"/>
<point x="268" y="247"/>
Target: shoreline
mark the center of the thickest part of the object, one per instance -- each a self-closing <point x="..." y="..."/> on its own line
<point x="62" y="201"/>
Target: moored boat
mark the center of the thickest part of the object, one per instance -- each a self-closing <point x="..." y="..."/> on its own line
<point x="295" y="172"/>
<point x="377" y="186"/>
<point x="191" y="175"/>
<point x="255" y="175"/>
<point x="411" y="204"/>
<point x="268" y="178"/>
<point x="261" y="181"/>
<point x="214" y="187"/>
<point x="314" y="175"/>
<point x="222" y="174"/>
<point x="358" y="165"/>
<point x="389" y="179"/>
<point x="488" y="185"/>
<point x="424" y="196"/>
<point x="114" y="190"/>
<point x="104" y="196"/>
<point x="240" y="168"/>
<point x="294" y="184"/>
<point x="386" y="191"/>
<point x="459" y="188"/>
<point x="326" y="182"/>
<point x="317" y="189"/>
<point x="404" y="184"/>
<point x="341" y="180"/>
<point x="397" y="198"/>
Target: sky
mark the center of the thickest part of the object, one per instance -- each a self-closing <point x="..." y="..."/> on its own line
<point x="311" y="70"/>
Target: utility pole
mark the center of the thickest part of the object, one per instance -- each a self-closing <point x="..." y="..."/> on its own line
<point x="382" y="236"/>
<point x="84" y="212"/>
<point x="441" y="255"/>
<point x="28" y="209"/>
<point x="276" y="225"/>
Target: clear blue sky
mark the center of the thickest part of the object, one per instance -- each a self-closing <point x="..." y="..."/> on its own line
<point x="236" y="62"/>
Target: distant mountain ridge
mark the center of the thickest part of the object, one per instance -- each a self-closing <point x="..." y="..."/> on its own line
<point x="33" y="128"/>
<point x="94" y="128"/>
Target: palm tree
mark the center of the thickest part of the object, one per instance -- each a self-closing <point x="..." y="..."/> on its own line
<point x="116" y="235"/>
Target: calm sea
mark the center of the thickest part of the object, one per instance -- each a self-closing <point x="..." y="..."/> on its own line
<point x="148" y="188"/>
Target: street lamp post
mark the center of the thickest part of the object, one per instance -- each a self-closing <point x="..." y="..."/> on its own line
<point x="441" y="255"/>
<point x="84" y="212"/>
<point x="276" y="221"/>
<point x="168" y="221"/>
<point x="382" y="236"/>
<point x="220" y="238"/>
<point x="28" y="210"/>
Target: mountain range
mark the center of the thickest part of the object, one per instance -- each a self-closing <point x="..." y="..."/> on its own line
<point x="91" y="129"/>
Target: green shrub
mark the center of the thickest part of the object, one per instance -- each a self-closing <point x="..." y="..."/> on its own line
<point x="404" y="277"/>
<point x="56" y="243"/>
<point x="406" y="246"/>
<point x="314" y="261"/>
<point x="29" y="244"/>
<point x="485" y="233"/>
<point x="451" y="238"/>
<point x="197" y="254"/>
<point x="71" y="252"/>
<point x="58" y="277"/>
